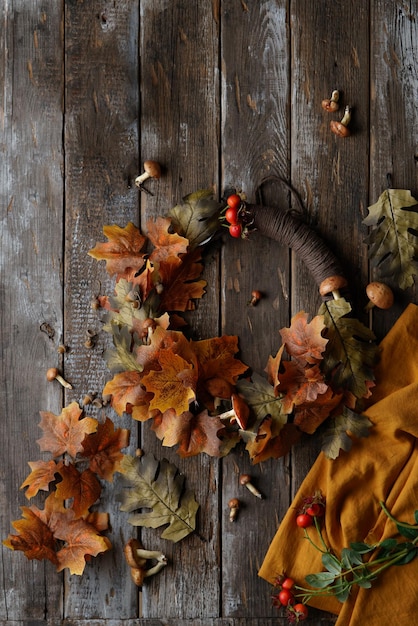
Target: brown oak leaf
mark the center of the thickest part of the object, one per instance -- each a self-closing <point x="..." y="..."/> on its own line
<point x="82" y="488"/>
<point x="216" y="358"/>
<point x="103" y="448"/>
<point x="35" y="539"/>
<point x="193" y="433"/>
<point x="266" y="446"/>
<point x="180" y="282"/>
<point x="311" y="415"/>
<point x="64" y="433"/>
<point x="166" y="244"/>
<point x="122" y="251"/>
<point x="300" y="384"/>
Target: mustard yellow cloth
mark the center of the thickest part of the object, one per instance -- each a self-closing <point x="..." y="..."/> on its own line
<point x="383" y="466"/>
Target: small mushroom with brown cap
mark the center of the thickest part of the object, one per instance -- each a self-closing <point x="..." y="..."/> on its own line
<point x="137" y="558"/>
<point x="53" y="374"/>
<point x="379" y="295"/>
<point x="331" y="104"/>
<point x="233" y="504"/>
<point x="239" y="413"/>
<point x="332" y="285"/>
<point x="245" y="480"/>
<point x="341" y="128"/>
<point x="152" y="170"/>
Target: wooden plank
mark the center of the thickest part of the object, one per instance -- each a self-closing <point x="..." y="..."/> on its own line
<point x="330" y="173"/>
<point x="176" y="622"/>
<point x="255" y="95"/>
<point x="101" y="161"/>
<point x="393" y="118"/>
<point x="179" y="128"/>
<point x="30" y="274"/>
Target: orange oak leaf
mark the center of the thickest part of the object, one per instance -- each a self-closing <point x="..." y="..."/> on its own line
<point x="82" y="540"/>
<point x="82" y="488"/>
<point x="174" y="385"/>
<point x="216" y="358"/>
<point x="43" y="473"/>
<point x="180" y="282"/>
<point x="303" y="340"/>
<point x="35" y="539"/>
<point x="300" y="384"/>
<point x="266" y="446"/>
<point x="122" y="251"/>
<point x="103" y="448"/>
<point x="193" y="433"/>
<point x="166" y="244"/>
<point x="64" y="433"/>
<point x="126" y="389"/>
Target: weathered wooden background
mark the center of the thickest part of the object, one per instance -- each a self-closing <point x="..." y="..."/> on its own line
<point x="221" y="93"/>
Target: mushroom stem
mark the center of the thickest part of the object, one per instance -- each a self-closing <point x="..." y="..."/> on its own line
<point x="155" y="569"/>
<point x="346" y="117"/>
<point x="245" y="480"/>
<point x="233" y="509"/>
<point x="53" y="374"/>
<point x="151" y="554"/>
<point x="331" y="104"/>
<point x="141" y="179"/>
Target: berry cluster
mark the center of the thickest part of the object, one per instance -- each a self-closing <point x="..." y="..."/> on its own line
<point x="284" y="597"/>
<point x="312" y="506"/>
<point x="232" y="215"/>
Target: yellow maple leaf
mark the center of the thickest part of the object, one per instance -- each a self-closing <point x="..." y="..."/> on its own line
<point x="174" y="385"/>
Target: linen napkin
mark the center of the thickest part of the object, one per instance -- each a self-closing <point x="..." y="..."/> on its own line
<point x="383" y="466"/>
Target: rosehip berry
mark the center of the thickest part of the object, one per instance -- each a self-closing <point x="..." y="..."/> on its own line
<point x="286" y="597"/>
<point x="315" y="510"/>
<point x="301" y="612"/>
<point x="235" y="230"/>
<point x="304" y="520"/>
<point x="231" y="215"/>
<point x="233" y="201"/>
<point x="288" y="583"/>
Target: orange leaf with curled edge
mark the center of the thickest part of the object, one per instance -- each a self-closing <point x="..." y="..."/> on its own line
<point x="64" y="433"/>
<point x="43" y="473"/>
<point x="35" y="539"/>
<point x="122" y="251"/>
<point x="309" y="416"/>
<point x="304" y="341"/>
<point x="174" y="385"/>
<point x="273" y="367"/>
<point x="193" y="433"/>
<point x="300" y="384"/>
<point x="267" y="445"/>
<point x="103" y="448"/>
<point x="82" y="488"/>
<point x="126" y="389"/>
<point x="216" y="358"/>
<point x="166" y="244"/>
<point x="180" y="282"/>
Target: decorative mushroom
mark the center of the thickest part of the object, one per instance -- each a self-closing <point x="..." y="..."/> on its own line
<point x="233" y="504"/>
<point x="379" y="295"/>
<point x="152" y="170"/>
<point x="239" y="413"/>
<point x="332" y="284"/>
<point x="137" y="557"/>
<point x="53" y="374"/>
<point x="256" y="296"/>
<point x="245" y="480"/>
<point x="340" y="128"/>
<point x="331" y="104"/>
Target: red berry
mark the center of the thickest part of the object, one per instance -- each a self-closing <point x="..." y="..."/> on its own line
<point x="301" y="612"/>
<point x="315" y="510"/>
<point x="286" y="597"/>
<point x="235" y="230"/>
<point x="288" y="583"/>
<point x="304" y="520"/>
<point x="231" y="215"/>
<point x="233" y="201"/>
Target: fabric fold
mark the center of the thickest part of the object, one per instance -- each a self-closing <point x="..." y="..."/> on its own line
<point x="381" y="467"/>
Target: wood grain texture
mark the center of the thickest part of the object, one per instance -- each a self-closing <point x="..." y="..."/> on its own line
<point x="222" y="94"/>
<point x="30" y="274"/>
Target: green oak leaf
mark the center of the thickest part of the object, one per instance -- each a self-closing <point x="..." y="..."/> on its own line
<point x="197" y="217"/>
<point x="159" y="487"/>
<point x="336" y="435"/>
<point x="260" y="397"/>
<point x="393" y="243"/>
<point x="351" y="351"/>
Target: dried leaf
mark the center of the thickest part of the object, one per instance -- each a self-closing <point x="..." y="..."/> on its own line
<point x="197" y="217"/>
<point x="394" y="240"/>
<point x="65" y="433"/>
<point x="103" y="449"/>
<point x="126" y="389"/>
<point x="271" y="446"/>
<point x="304" y="341"/>
<point x="82" y="488"/>
<point x="216" y="358"/>
<point x="180" y="282"/>
<point x="351" y="351"/>
<point x="260" y="397"/>
<point x="159" y="487"/>
<point x="43" y="473"/>
<point x="122" y="251"/>
<point x="336" y="437"/>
